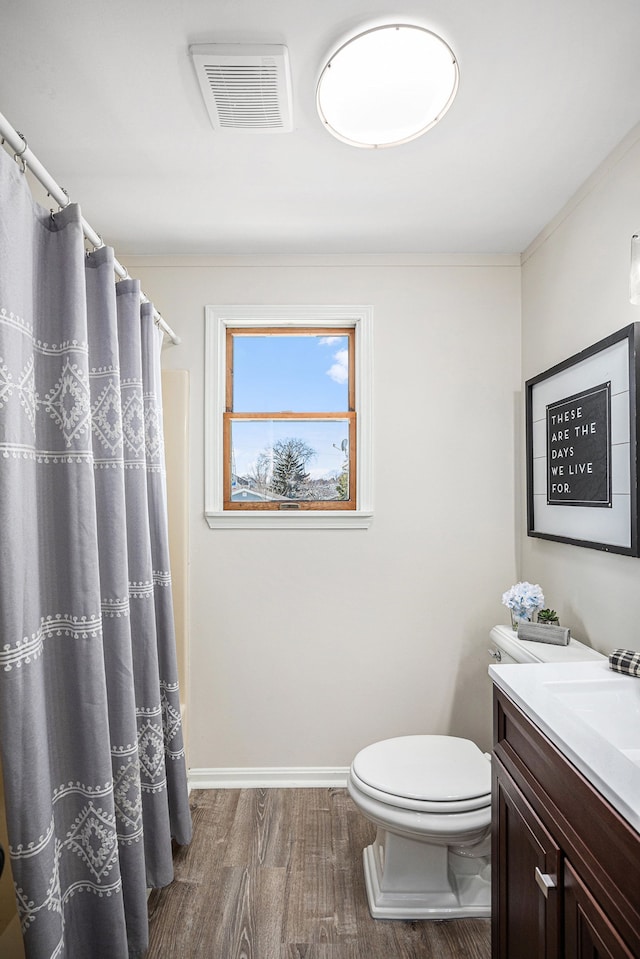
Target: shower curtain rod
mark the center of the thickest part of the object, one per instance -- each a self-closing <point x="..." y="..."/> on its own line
<point x="27" y="158"/>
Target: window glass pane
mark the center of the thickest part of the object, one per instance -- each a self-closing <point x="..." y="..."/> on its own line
<point x="273" y="374"/>
<point x="292" y="459"/>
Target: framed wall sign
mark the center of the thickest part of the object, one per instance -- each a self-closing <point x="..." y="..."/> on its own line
<point x="582" y="443"/>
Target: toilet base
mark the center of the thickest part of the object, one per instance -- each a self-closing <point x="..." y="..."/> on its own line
<point x="462" y="887"/>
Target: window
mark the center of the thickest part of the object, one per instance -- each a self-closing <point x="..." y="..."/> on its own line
<point x="288" y="417"/>
<point x="289" y="427"/>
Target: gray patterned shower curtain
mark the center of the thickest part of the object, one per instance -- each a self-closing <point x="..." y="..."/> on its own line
<point x="90" y="728"/>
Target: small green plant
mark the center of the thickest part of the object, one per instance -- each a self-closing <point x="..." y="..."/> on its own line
<point x="548" y="616"/>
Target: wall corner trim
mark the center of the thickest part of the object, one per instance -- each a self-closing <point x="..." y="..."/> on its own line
<point x="602" y="171"/>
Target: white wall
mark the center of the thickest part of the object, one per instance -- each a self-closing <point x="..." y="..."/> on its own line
<point x="307" y="645"/>
<point x="575" y="292"/>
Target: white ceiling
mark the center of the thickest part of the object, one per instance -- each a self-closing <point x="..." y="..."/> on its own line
<point x="108" y="100"/>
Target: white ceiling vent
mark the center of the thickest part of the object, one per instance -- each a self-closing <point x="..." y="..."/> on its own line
<point x="245" y="86"/>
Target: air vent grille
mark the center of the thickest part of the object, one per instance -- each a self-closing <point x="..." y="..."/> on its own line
<point x="245" y="88"/>
<point x="246" y="96"/>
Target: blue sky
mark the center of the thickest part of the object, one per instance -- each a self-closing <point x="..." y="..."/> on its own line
<point x="276" y="373"/>
<point x="299" y="373"/>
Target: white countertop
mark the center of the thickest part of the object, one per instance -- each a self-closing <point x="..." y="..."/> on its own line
<point x="600" y="736"/>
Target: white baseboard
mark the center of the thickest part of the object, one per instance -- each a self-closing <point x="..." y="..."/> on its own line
<point x="269" y="777"/>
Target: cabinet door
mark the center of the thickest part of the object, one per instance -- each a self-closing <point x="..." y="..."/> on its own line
<point x="588" y="934"/>
<point x="525" y="870"/>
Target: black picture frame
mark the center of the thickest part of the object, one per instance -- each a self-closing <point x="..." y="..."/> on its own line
<point x="582" y="442"/>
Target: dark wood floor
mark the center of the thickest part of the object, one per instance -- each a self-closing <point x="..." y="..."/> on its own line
<point x="277" y="874"/>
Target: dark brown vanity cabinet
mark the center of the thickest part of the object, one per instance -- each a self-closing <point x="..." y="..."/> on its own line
<point x="565" y="864"/>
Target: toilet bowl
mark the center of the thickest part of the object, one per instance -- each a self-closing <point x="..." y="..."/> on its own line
<point x="430" y="799"/>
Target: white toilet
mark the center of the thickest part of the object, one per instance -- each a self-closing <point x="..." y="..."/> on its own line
<point x="430" y="798"/>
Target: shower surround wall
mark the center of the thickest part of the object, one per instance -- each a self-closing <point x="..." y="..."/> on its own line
<point x="11" y="946"/>
<point x="175" y="396"/>
<point x="308" y="644"/>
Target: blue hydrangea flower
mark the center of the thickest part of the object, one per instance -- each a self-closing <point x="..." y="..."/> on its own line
<point x="523" y="599"/>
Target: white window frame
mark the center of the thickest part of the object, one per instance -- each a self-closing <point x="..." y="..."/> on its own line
<point x="217" y="320"/>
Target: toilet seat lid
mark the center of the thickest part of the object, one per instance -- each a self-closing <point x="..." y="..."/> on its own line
<point x="425" y="768"/>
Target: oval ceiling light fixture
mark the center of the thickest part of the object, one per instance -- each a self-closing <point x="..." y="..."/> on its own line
<point x="387" y="85"/>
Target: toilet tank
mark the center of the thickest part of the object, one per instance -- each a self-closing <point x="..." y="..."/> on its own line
<point x="505" y="647"/>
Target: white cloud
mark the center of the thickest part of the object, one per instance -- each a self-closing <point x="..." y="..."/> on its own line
<point x="329" y="340"/>
<point x="339" y="371"/>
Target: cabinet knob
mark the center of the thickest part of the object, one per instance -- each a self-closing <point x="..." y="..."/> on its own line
<point x="545" y="882"/>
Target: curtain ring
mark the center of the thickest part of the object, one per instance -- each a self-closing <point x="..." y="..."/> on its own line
<point x="60" y="206"/>
<point x="19" y="157"/>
